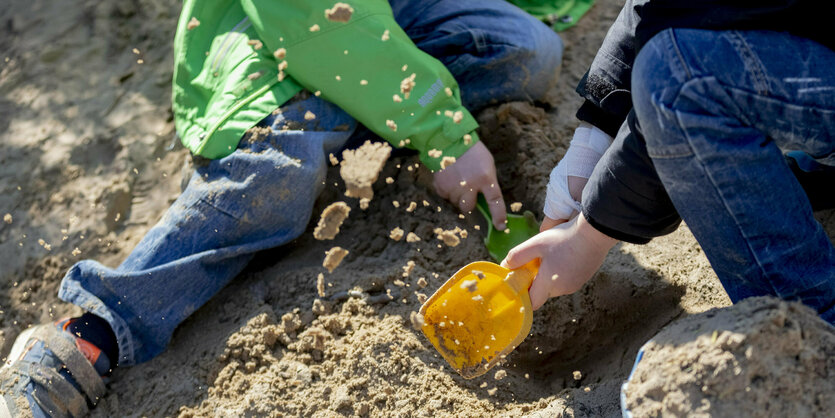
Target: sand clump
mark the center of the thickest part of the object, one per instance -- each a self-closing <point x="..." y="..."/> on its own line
<point x="764" y="356"/>
<point x="333" y="258"/>
<point x="447" y="161"/>
<point x="407" y="84"/>
<point x="330" y="221"/>
<point x="451" y="237"/>
<point x="320" y="285"/>
<point x="361" y="167"/>
<point x="396" y="234"/>
<point x="340" y="12"/>
<point x="411" y="237"/>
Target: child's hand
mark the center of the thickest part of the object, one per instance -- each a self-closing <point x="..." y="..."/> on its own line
<point x="570" y="254"/>
<point x="473" y="172"/>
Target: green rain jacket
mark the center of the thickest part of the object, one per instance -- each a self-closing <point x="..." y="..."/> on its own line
<point x="224" y="83"/>
<point x="227" y="76"/>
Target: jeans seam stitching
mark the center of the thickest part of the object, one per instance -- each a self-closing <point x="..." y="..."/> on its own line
<point x="710" y="178"/>
<point x="679" y="54"/>
<point x="761" y="81"/>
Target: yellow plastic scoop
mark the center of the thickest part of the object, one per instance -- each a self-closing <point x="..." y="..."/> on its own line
<point x="480" y="315"/>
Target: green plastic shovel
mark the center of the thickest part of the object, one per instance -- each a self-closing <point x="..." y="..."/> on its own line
<point x="520" y="229"/>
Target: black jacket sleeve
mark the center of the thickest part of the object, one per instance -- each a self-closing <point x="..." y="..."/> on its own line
<point x="624" y="197"/>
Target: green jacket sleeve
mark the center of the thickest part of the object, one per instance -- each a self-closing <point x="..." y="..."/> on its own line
<point x="361" y="65"/>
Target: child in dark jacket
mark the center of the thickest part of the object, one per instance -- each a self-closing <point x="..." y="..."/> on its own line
<point x="714" y="110"/>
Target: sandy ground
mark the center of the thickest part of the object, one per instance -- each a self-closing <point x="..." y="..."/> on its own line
<point x="89" y="164"/>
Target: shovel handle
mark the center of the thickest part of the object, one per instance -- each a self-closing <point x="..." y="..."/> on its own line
<point x="521" y="279"/>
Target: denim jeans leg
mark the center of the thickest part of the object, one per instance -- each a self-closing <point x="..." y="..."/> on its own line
<point x="260" y="196"/>
<point x="718" y="109"/>
<point x="495" y="50"/>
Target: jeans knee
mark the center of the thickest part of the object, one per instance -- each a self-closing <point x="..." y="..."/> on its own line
<point x="652" y="74"/>
<point x="520" y="67"/>
<point x="538" y="56"/>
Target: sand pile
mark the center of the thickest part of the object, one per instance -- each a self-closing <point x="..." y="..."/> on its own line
<point x="762" y="356"/>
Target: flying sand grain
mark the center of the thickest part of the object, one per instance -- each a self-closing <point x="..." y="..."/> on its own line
<point x="417" y="320"/>
<point x="320" y="285"/>
<point x="330" y="220"/>
<point x="333" y="258"/>
<point x="396" y="234"/>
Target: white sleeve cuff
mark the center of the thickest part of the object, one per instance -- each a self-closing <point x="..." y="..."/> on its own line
<point x="587" y="146"/>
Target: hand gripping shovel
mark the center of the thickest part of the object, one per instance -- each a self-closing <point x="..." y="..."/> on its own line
<point x="483" y="311"/>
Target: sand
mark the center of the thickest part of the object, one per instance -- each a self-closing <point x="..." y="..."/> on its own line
<point x="361" y="167"/>
<point x="330" y="220"/>
<point x="333" y="258"/>
<point x="765" y="357"/>
<point x="79" y="114"/>
<point x="340" y="12"/>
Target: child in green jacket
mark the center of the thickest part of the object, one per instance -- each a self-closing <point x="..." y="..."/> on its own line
<point x="301" y="71"/>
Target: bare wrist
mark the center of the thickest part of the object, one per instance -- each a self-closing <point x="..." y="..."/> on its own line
<point x="599" y="239"/>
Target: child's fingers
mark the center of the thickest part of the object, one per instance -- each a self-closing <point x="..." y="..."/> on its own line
<point x="522" y="254"/>
<point x="467" y="200"/>
<point x="540" y="290"/>
<point x="495" y="201"/>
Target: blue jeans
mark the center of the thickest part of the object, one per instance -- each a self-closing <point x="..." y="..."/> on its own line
<point x="261" y="196"/>
<point x="718" y="111"/>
